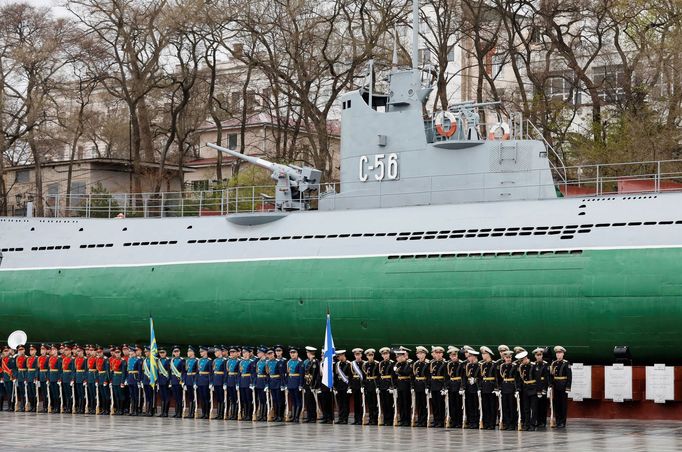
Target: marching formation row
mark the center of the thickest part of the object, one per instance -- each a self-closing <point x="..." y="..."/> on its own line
<point x="512" y="392"/>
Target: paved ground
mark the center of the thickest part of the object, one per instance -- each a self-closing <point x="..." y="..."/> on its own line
<point x="100" y="433"/>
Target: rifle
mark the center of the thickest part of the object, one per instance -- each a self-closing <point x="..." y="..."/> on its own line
<point x="49" y="396"/>
<point x="395" y="407"/>
<point x="428" y="406"/>
<point x="61" y="397"/>
<point x="196" y="402"/>
<point x="73" y="397"/>
<point x="211" y="406"/>
<point x="87" y="405"/>
<point x="239" y="405"/>
<point x="364" y="406"/>
<point x="268" y="397"/>
<point x="317" y="404"/>
<point x="499" y="401"/>
<point x="15" y="396"/>
<point x="383" y="421"/>
<point x="111" y="395"/>
<point x="144" y="400"/>
<point x="97" y="409"/>
<point x="464" y="411"/>
<point x="37" y="385"/>
<point x="414" y="410"/>
<point x="518" y="410"/>
<point x="447" y="408"/>
<point x="27" y="405"/>
<point x="253" y="398"/>
<point x="286" y="404"/>
<point x="552" y="420"/>
<point x="480" y="411"/>
<point x="184" y="403"/>
<point x="226" y="409"/>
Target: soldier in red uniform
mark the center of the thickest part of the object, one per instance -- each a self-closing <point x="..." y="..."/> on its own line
<point x="31" y="377"/>
<point x="55" y="379"/>
<point x="80" y="367"/>
<point x="43" y="381"/>
<point x="21" y="381"/>
<point x="103" y="381"/>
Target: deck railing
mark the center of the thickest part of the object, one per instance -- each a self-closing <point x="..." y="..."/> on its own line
<point x="586" y="180"/>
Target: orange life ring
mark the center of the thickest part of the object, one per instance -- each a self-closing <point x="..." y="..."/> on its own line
<point x="439" y="124"/>
<point x="505" y="131"/>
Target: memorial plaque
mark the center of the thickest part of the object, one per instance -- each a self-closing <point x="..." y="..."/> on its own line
<point x="618" y="382"/>
<point x="660" y="383"/>
<point x="581" y="386"/>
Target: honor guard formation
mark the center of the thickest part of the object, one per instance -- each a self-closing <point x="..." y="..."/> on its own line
<point x="469" y="389"/>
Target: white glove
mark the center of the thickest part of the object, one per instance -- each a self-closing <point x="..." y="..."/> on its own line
<point x="444" y="392"/>
<point x="395" y="369"/>
<point x="170" y="385"/>
<point x="224" y="387"/>
<point x="282" y="388"/>
<point x="96" y="384"/>
<point x="85" y="384"/>
<point x="125" y="382"/>
<point x="139" y="385"/>
<point x="497" y="392"/>
<point x="461" y="392"/>
<point x="267" y="389"/>
<point x="71" y="384"/>
<point x="516" y="394"/>
<point x="210" y="386"/>
<point x="539" y="395"/>
<point x="335" y="392"/>
<point x="411" y="390"/>
<point x="349" y="391"/>
<point x="252" y="387"/>
<point x="479" y="392"/>
<point x="195" y="386"/>
<point x="362" y="390"/>
<point x="428" y="391"/>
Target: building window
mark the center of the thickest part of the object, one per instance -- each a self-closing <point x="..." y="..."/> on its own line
<point x="78" y="188"/>
<point x="451" y="53"/>
<point x="562" y="85"/>
<point x="22" y="176"/>
<point x="424" y="56"/>
<point x="199" y="185"/>
<point x="232" y="141"/>
<point x="251" y="101"/>
<point x="610" y="79"/>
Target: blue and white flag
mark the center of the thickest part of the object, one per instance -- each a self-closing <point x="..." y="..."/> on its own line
<point x="328" y="356"/>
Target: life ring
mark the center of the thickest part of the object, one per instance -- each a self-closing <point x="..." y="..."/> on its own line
<point x="439" y="124"/>
<point x="505" y="131"/>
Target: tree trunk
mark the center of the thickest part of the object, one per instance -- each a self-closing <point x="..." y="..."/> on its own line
<point x="37" y="160"/>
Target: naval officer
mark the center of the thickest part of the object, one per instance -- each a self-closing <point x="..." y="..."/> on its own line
<point x="560" y="380"/>
<point x="294" y="384"/>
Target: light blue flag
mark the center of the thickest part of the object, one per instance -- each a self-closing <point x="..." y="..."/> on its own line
<point x="153" y="354"/>
<point x="328" y="356"/>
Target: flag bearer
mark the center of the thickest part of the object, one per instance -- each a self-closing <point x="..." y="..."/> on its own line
<point x="147" y="388"/>
<point x="342" y="377"/>
<point x="163" y="382"/>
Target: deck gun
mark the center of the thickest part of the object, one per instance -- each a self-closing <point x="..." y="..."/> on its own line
<point x="294" y="183"/>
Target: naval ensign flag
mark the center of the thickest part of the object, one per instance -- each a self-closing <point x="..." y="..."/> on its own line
<point x="328" y="356"/>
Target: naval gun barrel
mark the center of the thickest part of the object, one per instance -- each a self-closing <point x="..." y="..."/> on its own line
<point x="254" y="160"/>
<point x="472" y="104"/>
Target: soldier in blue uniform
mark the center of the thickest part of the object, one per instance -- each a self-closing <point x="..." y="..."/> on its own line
<point x="261" y="385"/>
<point x="294" y="384"/>
<point x="203" y="382"/>
<point x="311" y="384"/>
<point x="247" y="377"/>
<point x="232" y="369"/>
<point x="148" y="391"/>
<point x="191" y="366"/>
<point x="164" y="381"/>
<point x="276" y="383"/>
<point x="91" y="363"/>
<point x="133" y="381"/>
<point x="218" y="381"/>
<point x="177" y="381"/>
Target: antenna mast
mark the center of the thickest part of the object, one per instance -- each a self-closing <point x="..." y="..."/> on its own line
<point x="415" y="33"/>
